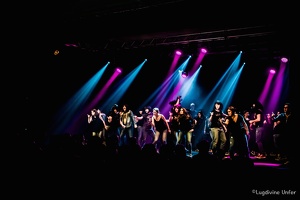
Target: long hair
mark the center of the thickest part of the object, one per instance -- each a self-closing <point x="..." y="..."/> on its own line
<point x="218" y="103"/>
<point x="127" y="108"/>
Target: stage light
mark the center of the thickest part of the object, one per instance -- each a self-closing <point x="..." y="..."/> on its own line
<point x="178" y="52"/>
<point x="119" y="70"/>
<point x="284" y="60"/>
<point x="184" y="74"/>
<point x="203" y="50"/>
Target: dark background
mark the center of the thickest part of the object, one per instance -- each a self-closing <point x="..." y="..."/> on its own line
<point x="121" y="32"/>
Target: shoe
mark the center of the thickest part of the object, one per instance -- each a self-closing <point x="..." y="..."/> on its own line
<point x="286" y="162"/>
<point x="226" y="158"/>
<point x="278" y="159"/>
<point x="260" y="156"/>
<point x="190" y="155"/>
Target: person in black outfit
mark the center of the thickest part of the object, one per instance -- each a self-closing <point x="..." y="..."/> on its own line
<point x="201" y="131"/>
<point x="282" y="134"/>
<point x="257" y="124"/>
<point x="95" y="125"/>
<point x="161" y="128"/>
<point x="114" y="112"/>
<point x="238" y="131"/>
<point x="146" y="134"/>
<point x="110" y="132"/>
<point x="186" y="129"/>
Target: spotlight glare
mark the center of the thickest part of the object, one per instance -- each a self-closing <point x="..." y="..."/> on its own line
<point x="284" y="60"/>
<point x="178" y="52"/>
<point x="184" y="74"/>
<point x="118" y="70"/>
<point x="203" y="50"/>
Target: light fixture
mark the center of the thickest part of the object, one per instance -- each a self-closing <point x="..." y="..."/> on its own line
<point x="178" y="52"/>
<point x="203" y="50"/>
<point x="184" y="74"/>
<point x="119" y="70"/>
<point x="284" y="60"/>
